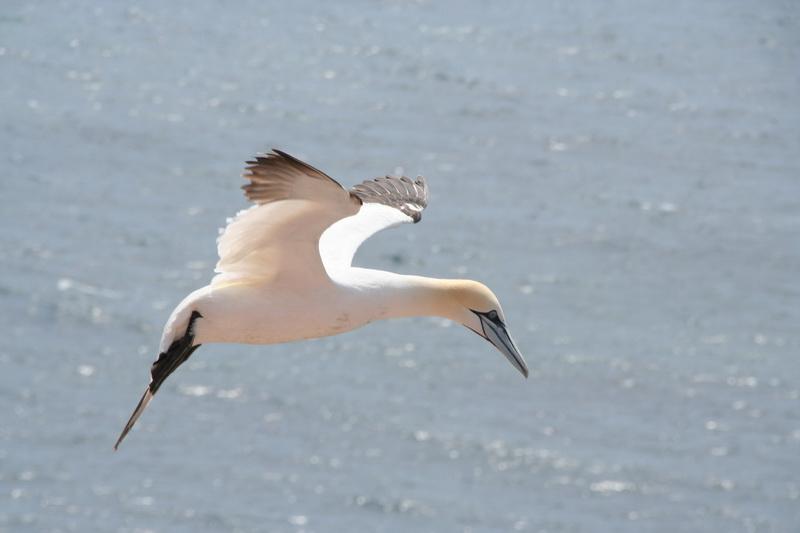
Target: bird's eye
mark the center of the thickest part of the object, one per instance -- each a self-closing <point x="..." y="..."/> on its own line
<point x="492" y="315"/>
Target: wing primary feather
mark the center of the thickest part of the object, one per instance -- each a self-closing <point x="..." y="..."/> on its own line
<point x="277" y="176"/>
<point x="409" y="197"/>
<point x="304" y="165"/>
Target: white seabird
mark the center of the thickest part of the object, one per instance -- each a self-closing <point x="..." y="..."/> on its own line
<point x="285" y="270"/>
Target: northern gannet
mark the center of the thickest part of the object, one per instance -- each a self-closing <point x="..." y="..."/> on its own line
<point x="285" y="270"/>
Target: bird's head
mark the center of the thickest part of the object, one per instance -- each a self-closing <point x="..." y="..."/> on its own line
<point x="477" y="308"/>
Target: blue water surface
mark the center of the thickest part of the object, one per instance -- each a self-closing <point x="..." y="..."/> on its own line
<point x="625" y="176"/>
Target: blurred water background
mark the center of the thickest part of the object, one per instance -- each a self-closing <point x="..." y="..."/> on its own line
<point x="624" y="175"/>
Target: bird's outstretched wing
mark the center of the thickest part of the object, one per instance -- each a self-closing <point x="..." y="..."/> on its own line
<point x="305" y="224"/>
<point x="279" y="236"/>
<point x="386" y="202"/>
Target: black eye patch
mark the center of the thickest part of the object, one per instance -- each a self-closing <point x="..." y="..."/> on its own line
<point x="491" y="316"/>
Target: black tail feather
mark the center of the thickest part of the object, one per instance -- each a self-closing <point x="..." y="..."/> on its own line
<point x="140" y="407"/>
<point x="179" y="351"/>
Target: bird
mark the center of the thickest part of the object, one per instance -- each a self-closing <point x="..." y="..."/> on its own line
<point x="285" y="270"/>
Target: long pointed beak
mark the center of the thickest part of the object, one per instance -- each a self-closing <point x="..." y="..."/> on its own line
<point x="498" y="335"/>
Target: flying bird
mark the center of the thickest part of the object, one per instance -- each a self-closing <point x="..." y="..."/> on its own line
<point x="285" y="270"/>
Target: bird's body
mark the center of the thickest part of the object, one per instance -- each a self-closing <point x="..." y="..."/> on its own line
<point x="285" y="271"/>
<point x="268" y="312"/>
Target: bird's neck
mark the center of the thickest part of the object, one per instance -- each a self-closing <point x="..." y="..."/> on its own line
<point x="398" y="295"/>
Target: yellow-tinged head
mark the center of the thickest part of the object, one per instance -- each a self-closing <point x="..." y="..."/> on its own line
<point x="475" y="306"/>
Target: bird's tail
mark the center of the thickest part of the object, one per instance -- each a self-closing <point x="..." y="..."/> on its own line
<point x="146" y="397"/>
<point x="177" y="354"/>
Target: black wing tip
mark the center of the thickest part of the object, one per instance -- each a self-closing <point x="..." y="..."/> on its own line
<point x="400" y="192"/>
<point x="275" y="153"/>
<point x="275" y="156"/>
<point x="285" y="155"/>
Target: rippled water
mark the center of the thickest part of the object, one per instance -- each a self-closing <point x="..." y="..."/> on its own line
<point x="624" y="175"/>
